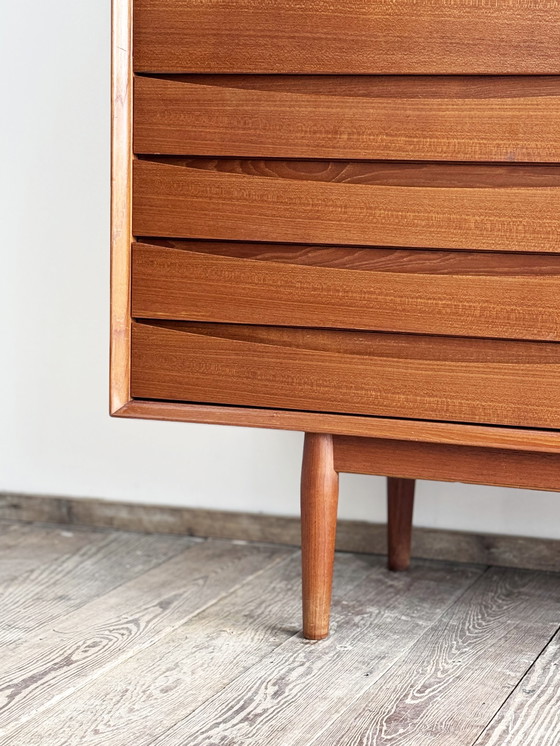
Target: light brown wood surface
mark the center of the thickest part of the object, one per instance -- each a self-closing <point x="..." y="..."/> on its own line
<point x="509" y="438"/>
<point x="493" y="466"/>
<point x="434" y="292"/>
<point x="319" y="503"/>
<point x="409" y="36"/>
<point x="442" y="378"/>
<point x="121" y="215"/>
<point x="397" y="117"/>
<point x="415" y="124"/>
<point x="400" y="505"/>
<point x="500" y="208"/>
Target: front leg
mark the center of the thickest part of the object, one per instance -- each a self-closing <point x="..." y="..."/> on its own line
<point x="319" y="503"/>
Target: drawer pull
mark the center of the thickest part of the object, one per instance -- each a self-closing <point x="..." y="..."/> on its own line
<point x="438" y="378"/>
<point x="432" y="292"/>
<point x="496" y="208"/>
<point x="395" y="118"/>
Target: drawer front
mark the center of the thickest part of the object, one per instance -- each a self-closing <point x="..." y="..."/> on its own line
<point x="496" y="208"/>
<point x="434" y="292"/>
<point x="441" y="378"/>
<point x="361" y="37"/>
<point x="402" y="118"/>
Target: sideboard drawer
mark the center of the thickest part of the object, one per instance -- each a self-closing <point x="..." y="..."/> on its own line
<point x="357" y="36"/>
<point x="438" y="378"/>
<point x="448" y="206"/>
<point x="441" y="118"/>
<point x="513" y="296"/>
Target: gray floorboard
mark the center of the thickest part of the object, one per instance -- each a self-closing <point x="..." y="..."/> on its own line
<point x="112" y="638"/>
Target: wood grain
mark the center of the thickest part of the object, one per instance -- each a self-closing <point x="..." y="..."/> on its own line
<point x="448" y="685"/>
<point x="279" y="36"/>
<point x="52" y="663"/>
<point x="531" y="716"/>
<point x="430" y="292"/>
<point x="52" y="590"/>
<point x="25" y="548"/>
<point x="517" y="439"/>
<point x="278" y="699"/>
<point x="442" y="378"/>
<point x="500" y="208"/>
<point x="438" y="462"/>
<point x="121" y="207"/>
<point x="400" y="505"/>
<point x="187" y="666"/>
<point x="403" y="118"/>
<point x="436" y="659"/>
<point x="319" y="503"/>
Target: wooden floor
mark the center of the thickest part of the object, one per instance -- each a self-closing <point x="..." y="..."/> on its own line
<point x="126" y="639"/>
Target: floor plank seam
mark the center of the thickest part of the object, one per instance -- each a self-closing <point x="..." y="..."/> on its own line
<point x="387" y="672"/>
<point x="516" y="687"/>
<point x="207" y="650"/>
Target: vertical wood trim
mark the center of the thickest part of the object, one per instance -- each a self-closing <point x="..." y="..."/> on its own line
<point x="121" y="193"/>
<point x="319" y="503"/>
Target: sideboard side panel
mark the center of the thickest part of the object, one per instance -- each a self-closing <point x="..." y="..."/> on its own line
<point x="121" y="215"/>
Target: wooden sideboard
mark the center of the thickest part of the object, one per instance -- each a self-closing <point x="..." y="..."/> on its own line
<point x="343" y="219"/>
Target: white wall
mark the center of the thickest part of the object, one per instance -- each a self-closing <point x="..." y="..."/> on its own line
<point x="55" y="435"/>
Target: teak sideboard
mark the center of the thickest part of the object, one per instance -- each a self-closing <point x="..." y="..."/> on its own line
<point x="343" y="218"/>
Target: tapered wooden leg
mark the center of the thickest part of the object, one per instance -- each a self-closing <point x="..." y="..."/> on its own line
<point x="319" y="502"/>
<point x="400" y="504"/>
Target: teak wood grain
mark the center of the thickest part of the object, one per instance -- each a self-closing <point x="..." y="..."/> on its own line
<point x="400" y="506"/>
<point x="445" y="378"/>
<point x="341" y="134"/>
<point x="121" y="202"/>
<point x="319" y="503"/>
<point x="403" y="118"/>
<point x="500" y="208"/>
<point x="417" y="431"/>
<point x="447" y="463"/>
<point x="409" y="36"/>
<point x="435" y="292"/>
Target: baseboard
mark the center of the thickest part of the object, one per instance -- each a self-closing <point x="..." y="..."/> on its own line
<point x="352" y="536"/>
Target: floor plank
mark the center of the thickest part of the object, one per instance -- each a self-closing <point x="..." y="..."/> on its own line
<point x="116" y="638"/>
<point x="292" y="692"/>
<point x="531" y="716"/>
<point x="451" y="682"/>
<point x="120" y="624"/>
<point x="150" y="692"/>
<point x="68" y="582"/>
<point x="25" y="547"/>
